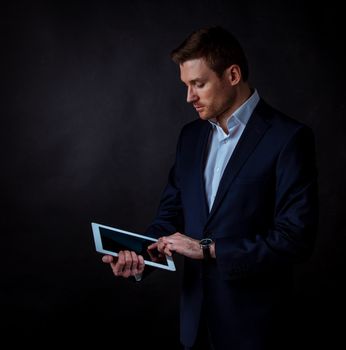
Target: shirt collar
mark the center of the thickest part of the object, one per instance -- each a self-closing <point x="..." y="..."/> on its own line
<point x="241" y="114"/>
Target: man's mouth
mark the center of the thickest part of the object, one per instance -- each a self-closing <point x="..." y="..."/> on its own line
<point x="198" y="107"/>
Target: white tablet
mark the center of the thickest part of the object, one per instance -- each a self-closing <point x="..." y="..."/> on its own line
<point x="111" y="240"/>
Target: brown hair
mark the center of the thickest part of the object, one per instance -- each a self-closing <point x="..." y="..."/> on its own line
<point x="217" y="46"/>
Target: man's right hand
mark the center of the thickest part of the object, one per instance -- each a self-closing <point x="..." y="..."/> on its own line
<point x="127" y="264"/>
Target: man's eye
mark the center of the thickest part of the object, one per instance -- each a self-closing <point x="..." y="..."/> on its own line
<point x="199" y="85"/>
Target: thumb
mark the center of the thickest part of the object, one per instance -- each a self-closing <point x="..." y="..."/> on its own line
<point x="107" y="259"/>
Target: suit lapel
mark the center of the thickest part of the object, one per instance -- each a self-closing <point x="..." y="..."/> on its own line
<point x="253" y="132"/>
<point x="203" y="147"/>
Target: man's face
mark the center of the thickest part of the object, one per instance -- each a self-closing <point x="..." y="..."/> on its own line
<point x="210" y="95"/>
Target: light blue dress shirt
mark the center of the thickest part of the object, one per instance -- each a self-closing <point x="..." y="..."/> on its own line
<point x="222" y="145"/>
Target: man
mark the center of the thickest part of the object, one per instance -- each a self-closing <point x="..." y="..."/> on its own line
<point x="240" y="204"/>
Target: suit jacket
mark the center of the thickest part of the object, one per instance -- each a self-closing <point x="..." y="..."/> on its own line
<point x="263" y="222"/>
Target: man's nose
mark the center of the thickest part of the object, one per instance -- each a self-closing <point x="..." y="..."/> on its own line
<point x="191" y="95"/>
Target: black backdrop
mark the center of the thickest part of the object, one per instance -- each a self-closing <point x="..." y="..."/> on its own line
<point x="90" y="113"/>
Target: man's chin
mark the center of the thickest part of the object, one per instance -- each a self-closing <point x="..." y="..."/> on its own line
<point x="203" y="116"/>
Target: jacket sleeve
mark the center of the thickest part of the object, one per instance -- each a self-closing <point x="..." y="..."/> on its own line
<point x="292" y="235"/>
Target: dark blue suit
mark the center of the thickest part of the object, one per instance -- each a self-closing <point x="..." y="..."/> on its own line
<point x="263" y="221"/>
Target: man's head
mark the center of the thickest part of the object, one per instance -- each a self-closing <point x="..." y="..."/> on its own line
<point x="214" y="68"/>
<point x="219" y="48"/>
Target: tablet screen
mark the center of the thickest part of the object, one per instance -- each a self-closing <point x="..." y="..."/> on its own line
<point x="110" y="240"/>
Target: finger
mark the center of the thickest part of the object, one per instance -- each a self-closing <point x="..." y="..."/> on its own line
<point x="141" y="264"/>
<point x="134" y="270"/>
<point x="154" y="254"/>
<point x="161" y="246"/>
<point x="128" y="264"/>
<point x="119" y="266"/>
<point x="168" y="251"/>
<point x="152" y="246"/>
<point x="166" y="240"/>
<point x="107" y="259"/>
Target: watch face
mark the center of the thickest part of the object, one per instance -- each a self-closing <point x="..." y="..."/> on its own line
<point x="206" y="241"/>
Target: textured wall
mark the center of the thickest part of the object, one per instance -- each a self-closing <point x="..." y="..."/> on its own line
<point x="90" y="113"/>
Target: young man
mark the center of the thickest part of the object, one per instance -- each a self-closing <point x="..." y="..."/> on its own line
<point x="240" y="204"/>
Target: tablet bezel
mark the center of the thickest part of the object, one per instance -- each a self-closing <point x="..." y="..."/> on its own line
<point x="99" y="247"/>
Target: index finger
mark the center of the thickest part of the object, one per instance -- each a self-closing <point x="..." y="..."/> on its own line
<point x="152" y="246"/>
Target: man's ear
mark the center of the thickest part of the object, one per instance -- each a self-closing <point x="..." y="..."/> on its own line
<point x="233" y="74"/>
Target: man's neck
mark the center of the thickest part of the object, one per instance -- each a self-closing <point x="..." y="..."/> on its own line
<point x="242" y="94"/>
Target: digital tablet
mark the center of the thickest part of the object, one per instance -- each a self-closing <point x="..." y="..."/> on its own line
<point x="111" y="240"/>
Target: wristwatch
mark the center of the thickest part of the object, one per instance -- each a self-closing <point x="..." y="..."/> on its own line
<point x="205" y="245"/>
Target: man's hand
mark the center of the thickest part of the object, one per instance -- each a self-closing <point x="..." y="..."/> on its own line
<point x="127" y="264"/>
<point x="154" y="253"/>
<point x="181" y="244"/>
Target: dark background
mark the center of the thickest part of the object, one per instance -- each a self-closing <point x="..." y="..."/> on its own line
<point x="90" y="113"/>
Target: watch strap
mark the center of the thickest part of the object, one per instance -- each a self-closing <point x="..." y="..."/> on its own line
<point x="205" y="245"/>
